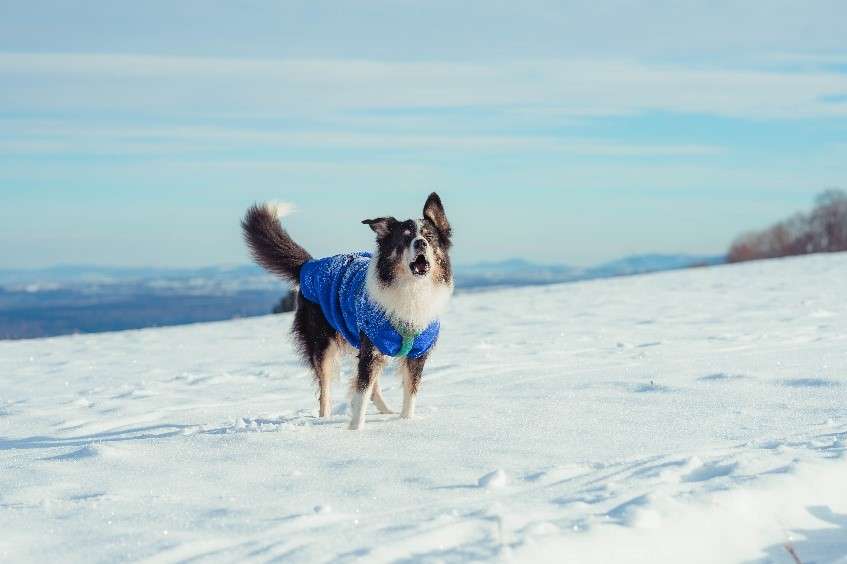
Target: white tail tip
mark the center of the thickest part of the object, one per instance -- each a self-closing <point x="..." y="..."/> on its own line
<point x="280" y="209"/>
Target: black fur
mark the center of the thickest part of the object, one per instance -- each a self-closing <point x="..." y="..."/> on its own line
<point x="439" y="238"/>
<point x="381" y="225"/>
<point x="392" y="237"/>
<point x="369" y="360"/>
<point x="271" y="246"/>
<point x="434" y="214"/>
<point x="415" y="367"/>
<point x="313" y="333"/>
<point x="276" y="251"/>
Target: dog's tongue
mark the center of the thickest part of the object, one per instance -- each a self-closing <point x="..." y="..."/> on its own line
<point x="420" y="266"/>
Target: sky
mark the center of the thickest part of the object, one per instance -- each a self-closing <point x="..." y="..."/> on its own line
<point x="136" y="134"/>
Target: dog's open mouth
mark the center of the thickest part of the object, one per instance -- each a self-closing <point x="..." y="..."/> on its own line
<point x="419" y="266"/>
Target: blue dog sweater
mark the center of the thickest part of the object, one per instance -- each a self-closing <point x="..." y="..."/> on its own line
<point x="338" y="285"/>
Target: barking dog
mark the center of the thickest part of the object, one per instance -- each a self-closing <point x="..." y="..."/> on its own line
<point x="384" y="303"/>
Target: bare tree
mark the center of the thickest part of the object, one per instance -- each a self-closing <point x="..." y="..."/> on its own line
<point x="823" y="230"/>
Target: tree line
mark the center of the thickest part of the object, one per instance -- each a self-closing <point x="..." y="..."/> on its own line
<point x="822" y="230"/>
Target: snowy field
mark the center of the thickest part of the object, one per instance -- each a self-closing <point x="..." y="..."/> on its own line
<point x="691" y="416"/>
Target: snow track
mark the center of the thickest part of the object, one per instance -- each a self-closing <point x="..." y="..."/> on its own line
<point x="694" y="416"/>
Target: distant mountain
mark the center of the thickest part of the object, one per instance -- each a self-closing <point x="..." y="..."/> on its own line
<point x="638" y="264"/>
<point x="88" y="299"/>
<point x="512" y="272"/>
<point x="518" y="272"/>
<point x="218" y="279"/>
<point x="210" y="280"/>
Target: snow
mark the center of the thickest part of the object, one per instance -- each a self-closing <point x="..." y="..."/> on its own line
<point x="690" y="416"/>
<point x="496" y="479"/>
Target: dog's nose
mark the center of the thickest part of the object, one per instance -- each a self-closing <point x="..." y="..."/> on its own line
<point x="420" y="245"/>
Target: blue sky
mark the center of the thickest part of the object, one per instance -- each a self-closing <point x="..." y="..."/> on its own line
<point x="136" y="134"/>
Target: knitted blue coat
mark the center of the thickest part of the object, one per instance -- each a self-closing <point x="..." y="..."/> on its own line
<point x="339" y="285"/>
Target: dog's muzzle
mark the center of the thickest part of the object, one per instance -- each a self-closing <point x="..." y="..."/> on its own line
<point x="419" y="266"/>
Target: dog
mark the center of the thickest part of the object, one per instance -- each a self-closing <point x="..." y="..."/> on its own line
<point x="385" y="303"/>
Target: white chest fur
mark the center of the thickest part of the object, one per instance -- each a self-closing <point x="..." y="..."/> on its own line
<point x="414" y="300"/>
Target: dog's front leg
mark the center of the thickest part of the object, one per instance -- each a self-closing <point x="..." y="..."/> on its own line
<point x="371" y="362"/>
<point x="412" y="369"/>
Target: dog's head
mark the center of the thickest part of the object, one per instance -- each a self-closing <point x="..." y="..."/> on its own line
<point x="414" y="250"/>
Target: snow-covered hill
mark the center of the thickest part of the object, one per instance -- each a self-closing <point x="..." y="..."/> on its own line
<point x="691" y="416"/>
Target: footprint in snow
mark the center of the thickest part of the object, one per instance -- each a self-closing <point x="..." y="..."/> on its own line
<point x="652" y="387"/>
<point x="809" y="383"/>
<point x="88" y="451"/>
<point x="494" y="480"/>
<point x="720" y="377"/>
<point x="709" y="471"/>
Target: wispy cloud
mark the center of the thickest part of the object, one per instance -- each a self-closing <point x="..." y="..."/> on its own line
<point x="45" y="138"/>
<point x="195" y="85"/>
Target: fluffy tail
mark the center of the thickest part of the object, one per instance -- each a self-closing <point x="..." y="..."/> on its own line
<point x="269" y="243"/>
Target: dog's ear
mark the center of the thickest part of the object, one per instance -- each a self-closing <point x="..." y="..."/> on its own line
<point x="434" y="211"/>
<point x="380" y="225"/>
